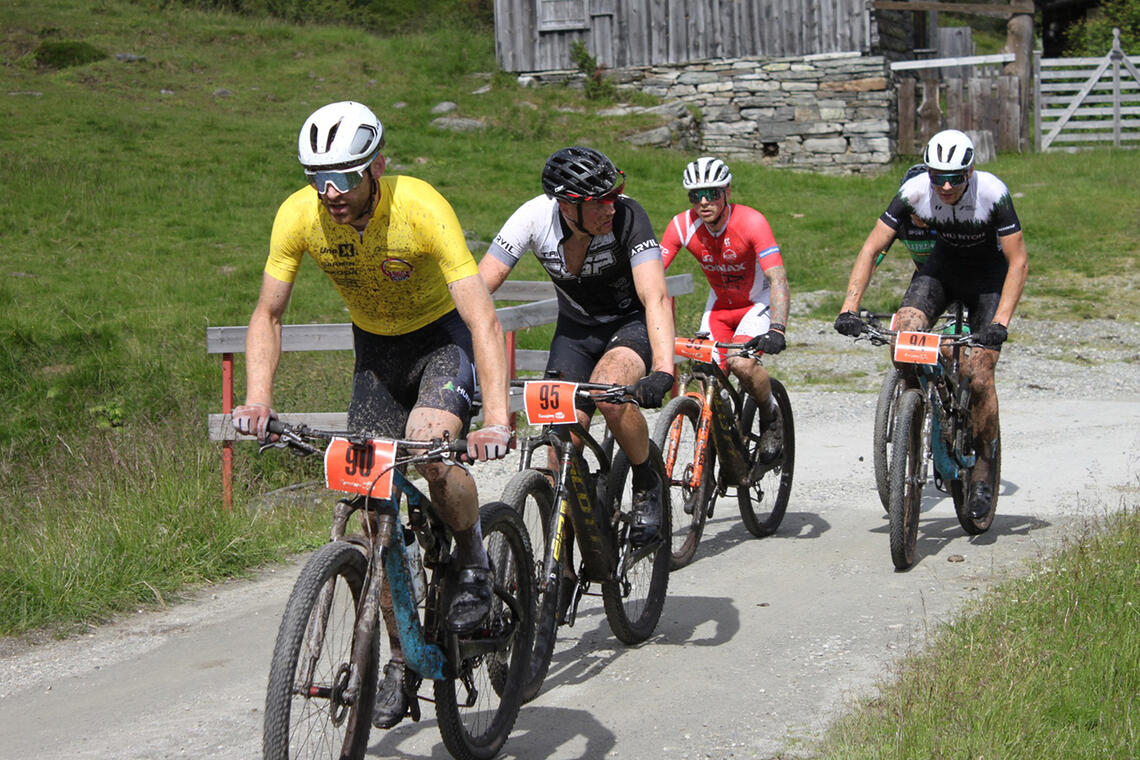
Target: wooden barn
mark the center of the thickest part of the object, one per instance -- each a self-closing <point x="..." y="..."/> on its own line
<point x="536" y="35"/>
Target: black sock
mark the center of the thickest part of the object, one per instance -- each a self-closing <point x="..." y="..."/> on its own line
<point x="643" y="476"/>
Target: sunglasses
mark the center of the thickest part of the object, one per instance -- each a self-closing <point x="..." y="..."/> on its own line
<point x="705" y="194"/>
<point x="342" y="181"/>
<point x="938" y="179"/>
<point x="611" y="197"/>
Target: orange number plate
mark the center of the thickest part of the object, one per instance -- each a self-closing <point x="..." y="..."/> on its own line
<point x="696" y="349"/>
<point x="549" y="402"/>
<point x="917" y="348"/>
<point x="364" y="469"/>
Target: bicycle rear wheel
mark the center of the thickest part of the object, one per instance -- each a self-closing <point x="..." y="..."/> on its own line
<point x="884" y="418"/>
<point x="635" y="597"/>
<point x="530" y="494"/>
<point x="676" y="437"/>
<point x="308" y="713"/>
<point x="906" y="482"/>
<point x="477" y="709"/>
<point x="962" y="508"/>
<point x="763" y="503"/>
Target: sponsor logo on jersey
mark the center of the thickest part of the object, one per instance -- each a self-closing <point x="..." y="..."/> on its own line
<point x="341" y="251"/>
<point x="397" y="270"/>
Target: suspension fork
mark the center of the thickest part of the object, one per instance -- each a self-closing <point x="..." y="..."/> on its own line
<point x="556" y="531"/>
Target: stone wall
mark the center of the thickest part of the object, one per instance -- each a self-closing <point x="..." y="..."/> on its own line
<point x="826" y="113"/>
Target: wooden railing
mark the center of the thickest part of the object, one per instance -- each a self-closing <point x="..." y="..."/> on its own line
<point x="228" y="341"/>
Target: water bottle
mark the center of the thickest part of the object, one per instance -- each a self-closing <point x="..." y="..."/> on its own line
<point x="415" y="564"/>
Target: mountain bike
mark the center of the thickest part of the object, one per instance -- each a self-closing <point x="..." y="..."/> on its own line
<point x="889" y="392"/>
<point x="715" y="421"/>
<point x="586" y="501"/>
<point x="324" y="673"/>
<point x="931" y="427"/>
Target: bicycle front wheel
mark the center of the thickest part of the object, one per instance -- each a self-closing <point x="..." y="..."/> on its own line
<point x="676" y="437"/>
<point x="884" y="417"/>
<point x="530" y="494"/>
<point x="635" y="596"/>
<point x="906" y="481"/>
<point x="477" y="709"/>
<point x="763" y="503"/>
<point x="310" y="711"/>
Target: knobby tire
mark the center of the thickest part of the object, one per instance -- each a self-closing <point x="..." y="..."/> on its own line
<point x="634" y="600"/>
<point x="304" y="715"/>
<point x="884" y="417"/>
<point x="530" y="494"/>
<point x="763" y="504"/>
<point x="962" y="507"/>
<point x="479" y="731"/>
<point x="678" y="422"/>
<point x="907" y="454"/>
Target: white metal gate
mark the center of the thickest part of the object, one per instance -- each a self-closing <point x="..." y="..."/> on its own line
<point x="1079" y="101"/>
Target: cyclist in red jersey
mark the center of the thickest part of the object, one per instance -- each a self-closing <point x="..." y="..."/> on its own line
<point x="748" y="294"/>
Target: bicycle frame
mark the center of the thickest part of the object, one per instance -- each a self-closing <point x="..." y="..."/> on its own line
<point x="576" y="501"/>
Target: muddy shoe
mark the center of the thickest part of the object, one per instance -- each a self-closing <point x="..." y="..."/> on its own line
<point x="391" y="700"/>
<point x="772" y="439"/>
<point x="646" y="515"/>
<point x="472" y="600"/>
<point x="981" y="500"/>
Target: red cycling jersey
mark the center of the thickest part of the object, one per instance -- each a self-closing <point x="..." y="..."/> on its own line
<point x="729" y="259"/>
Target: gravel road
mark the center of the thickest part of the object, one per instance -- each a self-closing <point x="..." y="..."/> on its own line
<point x="762" y="642"/>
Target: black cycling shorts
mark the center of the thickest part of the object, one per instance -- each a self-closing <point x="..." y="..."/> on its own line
<point x="977" y="283"/>
<point x="576" y="349"/>
<point x="430" y="367"/>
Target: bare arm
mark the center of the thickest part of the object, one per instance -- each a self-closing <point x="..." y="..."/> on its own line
<point x="1013" y="246"/>
<point x="879" y="239"/>
<point x="493" y="272"/>
<point x="779" y="297"/>
<point x="263" y="340"/>
<point x="478" y="312"/>
<point x="649" y="281"/>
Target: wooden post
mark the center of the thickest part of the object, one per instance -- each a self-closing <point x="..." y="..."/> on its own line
<point x="1019" y="41"/>
<point x="906" y="116"/>
<point x="227" y="446"/>
<point x="929" y="113"/>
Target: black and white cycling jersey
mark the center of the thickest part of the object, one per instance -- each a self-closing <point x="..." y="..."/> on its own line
<point x="968" y="230"/>
<point x="603" y="291"/>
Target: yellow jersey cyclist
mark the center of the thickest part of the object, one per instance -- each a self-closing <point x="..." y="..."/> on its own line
<point x="614" y="321"/>
<point x="979" y="258"/>
<point x="422" y="323"/>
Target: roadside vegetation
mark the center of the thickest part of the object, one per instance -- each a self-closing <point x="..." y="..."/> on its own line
<point x="146" y="147"/>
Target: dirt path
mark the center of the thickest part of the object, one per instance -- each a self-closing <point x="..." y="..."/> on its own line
<point x="762" y="642"/>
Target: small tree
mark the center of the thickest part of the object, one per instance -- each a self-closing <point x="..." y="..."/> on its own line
<point x="1092" y="36"/>
<point x="597" y="86"/>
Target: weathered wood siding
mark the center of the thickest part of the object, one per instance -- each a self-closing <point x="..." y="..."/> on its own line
<point x="535" y="35"/>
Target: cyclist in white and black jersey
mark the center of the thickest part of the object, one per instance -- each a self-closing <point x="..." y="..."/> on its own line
<point x="614" y="321"/>
<point x="979" y="258"/>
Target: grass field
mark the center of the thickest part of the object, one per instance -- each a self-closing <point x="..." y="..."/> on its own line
<point x="140" y="195"/>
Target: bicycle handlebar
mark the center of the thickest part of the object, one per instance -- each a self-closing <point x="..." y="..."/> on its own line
<point x="880" y="336"/>
<point x="297" y="437"/>
<point x="610" y="394"/>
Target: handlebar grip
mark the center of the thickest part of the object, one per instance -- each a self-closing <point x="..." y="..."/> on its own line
<point x="458" y="446"/>
<point x="275" y="426"/>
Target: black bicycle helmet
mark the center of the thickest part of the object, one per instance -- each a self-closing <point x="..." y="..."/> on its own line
<point x="578" y="174"/>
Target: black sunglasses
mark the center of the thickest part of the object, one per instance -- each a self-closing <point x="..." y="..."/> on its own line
<point x="705" y="193"/>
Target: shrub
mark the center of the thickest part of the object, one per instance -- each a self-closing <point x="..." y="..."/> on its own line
<point x="67" y="53"/>
<point x="1092" y="36"/>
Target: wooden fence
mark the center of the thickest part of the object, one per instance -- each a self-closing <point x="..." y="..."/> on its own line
<point x="987" y="101"/>
<point x="228" y="341"/>
<point x="1085" y="101"/>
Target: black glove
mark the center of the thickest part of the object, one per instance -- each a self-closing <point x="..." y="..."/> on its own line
<point x="992" y="336"/>
<point x="848" y="323"/>
<point x="651" y="389"/>
<point x="771" y="342"/>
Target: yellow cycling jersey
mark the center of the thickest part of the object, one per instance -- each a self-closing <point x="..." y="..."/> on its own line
<point x="394" y="276"/>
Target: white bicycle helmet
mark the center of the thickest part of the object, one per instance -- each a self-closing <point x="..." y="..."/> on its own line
<point x="949" y="151"/>
<point x="339" y="137"/>
<point x="706" y="172"/>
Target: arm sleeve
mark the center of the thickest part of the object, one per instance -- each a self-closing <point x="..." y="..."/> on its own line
<point x="1004" y="217"/>
<point x="642" y="240"/>
<point x="514" y="238"/>
<point x="670" y="243"/>
<point x="896" y="212"/>
<point x="443" y="235"/>
<point x="767" y="251"/>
